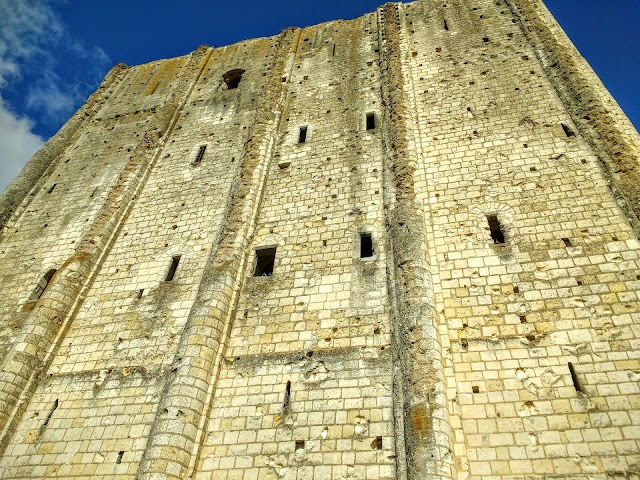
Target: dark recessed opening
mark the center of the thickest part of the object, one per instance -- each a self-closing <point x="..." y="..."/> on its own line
<point x="377" y="443"/>
<point x="265" y="259"/>
<point x="574" y="378"/>
<point x="366" y="245"/>
<point x="171" y="273"/>
<point x="523" y="319"/>
<point x="496" y="229"/>
<point x="287" y="396"/>
<point x="52" y="188"/>
<point x="371" y="121"/>
<point x="140" y="293"/>
<point x="302" y="135"/>
<point x="567" y="242"/>
<point x="120" y="455"/>
<point x="567" y="131"/>
<point x="299" y="444"/>
<point x="516" y="289"/>
<point x="475" y="389"/>
<point x="42" y="285"/>
<point x="48" y="419"/>
<point x="200" y="156"/>
<point x="446" y="26"/>
<point x="232" y="78"/>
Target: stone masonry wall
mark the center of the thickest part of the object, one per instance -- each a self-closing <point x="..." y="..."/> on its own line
<point x="442" y="355"/>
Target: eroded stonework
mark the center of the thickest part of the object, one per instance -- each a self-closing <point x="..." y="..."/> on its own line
<point x="452" y="197"/>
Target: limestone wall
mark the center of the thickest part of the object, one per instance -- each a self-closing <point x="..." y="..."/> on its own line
<point x="441" y="354"/>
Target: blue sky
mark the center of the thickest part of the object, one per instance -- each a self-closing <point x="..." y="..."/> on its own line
<point x="53" y="53"/>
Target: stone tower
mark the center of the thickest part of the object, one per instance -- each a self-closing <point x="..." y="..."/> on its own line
<point x="398" y="247"/>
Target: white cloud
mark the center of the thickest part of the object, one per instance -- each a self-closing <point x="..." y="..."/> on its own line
<point x="32" y="33"/>
<point x="26" y="28"/>
<point x="17" y="144"/>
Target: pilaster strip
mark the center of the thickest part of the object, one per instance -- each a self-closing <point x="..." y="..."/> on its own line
<point x="43" y="331"/>
<point x="174" y="444"/>
<point x="419" y="376"/>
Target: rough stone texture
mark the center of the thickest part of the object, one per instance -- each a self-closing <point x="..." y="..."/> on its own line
<point x="441" y="356"/>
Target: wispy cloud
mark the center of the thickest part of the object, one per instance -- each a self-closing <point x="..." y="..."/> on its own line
<point x="17" y="143"/>
<point x="33" y="39"/>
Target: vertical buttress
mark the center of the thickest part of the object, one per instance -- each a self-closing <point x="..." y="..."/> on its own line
<point x="420" y="389"/>
<point x="46" y="325"/>
<point x="176" y="435"/>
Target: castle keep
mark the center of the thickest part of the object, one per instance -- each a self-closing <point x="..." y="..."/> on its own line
<point x="403" y="246"/>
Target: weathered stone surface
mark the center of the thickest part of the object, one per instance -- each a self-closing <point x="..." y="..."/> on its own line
<point x="441" y="355"/>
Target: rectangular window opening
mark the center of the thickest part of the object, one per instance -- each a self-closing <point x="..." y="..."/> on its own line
<point x="496" y="229"/>
<point x="171" y="273"/>
<point x="371" y="121"/>
<point x="299" y="444"/>
<point x="200" y="156"/>
<point x="265" y="260"/>
<point x="366" y="245"/>
<point x="302" y="136"/>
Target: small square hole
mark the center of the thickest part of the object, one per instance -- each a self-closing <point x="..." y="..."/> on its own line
<point x="377" y="443"/>
<point x="299" y="444"/>
<point x="265" y="260"/>
<point x="475" y="389"/>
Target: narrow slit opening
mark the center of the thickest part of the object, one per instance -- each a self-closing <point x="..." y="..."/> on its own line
<point x="302" y="135"/>
<point x="265" y="261"/>
<point x="200" y="156"/>
<point x="574" y="378"/>
<point x="366" y="245"/>
<point x="497" y="235"/>
<point x="567" y="242"/>
<point x="171" y="273"/>
<point x="44" y="425"/>
<point x="120" y="455"/>
<point x="287" y="395"/>
<point x="567" y="131"/>
<point x="446" y="26"/>
<point x="52" y="188"/>
<point x="42" y="285"/>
